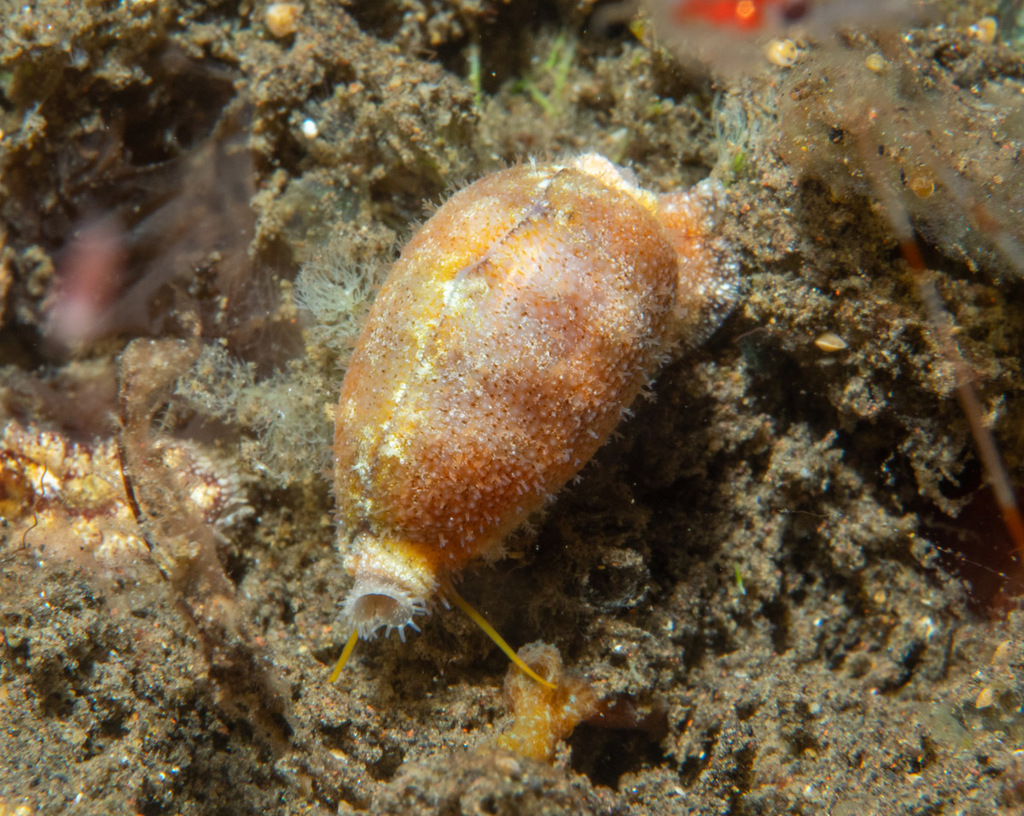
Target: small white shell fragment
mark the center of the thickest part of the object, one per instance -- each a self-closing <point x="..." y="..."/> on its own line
<point x="830" y="342"/>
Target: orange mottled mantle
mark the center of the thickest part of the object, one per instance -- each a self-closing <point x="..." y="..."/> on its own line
<point x="515" y="329"/>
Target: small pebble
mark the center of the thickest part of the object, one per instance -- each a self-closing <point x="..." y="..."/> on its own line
<point x="875" y="62"/>
<point x="985" y="30"/>
<point x="1001" y="653"/>
<point x="830" y="342"/>
<point x="509" y="767"/>
<point x="282" y="19"/>
<point x="921" y="185"/>
<point x="782" y="53"/>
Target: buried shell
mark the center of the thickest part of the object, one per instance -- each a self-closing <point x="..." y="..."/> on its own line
<point x="509" y="338"/>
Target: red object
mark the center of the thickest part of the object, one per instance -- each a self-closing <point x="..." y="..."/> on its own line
<point x="742" y="14"/>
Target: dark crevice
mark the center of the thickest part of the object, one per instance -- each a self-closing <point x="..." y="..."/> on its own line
<point x="604" y="755"/>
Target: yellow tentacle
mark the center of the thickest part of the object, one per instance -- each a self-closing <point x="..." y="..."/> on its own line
<point x="344" y="656"/>
<point x="492" y="633"/>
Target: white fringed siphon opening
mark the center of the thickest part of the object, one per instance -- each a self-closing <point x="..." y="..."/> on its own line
<point x="377" y="603"/>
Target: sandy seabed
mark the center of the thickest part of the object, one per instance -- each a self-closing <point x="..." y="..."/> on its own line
<point x="787" y="565"/>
